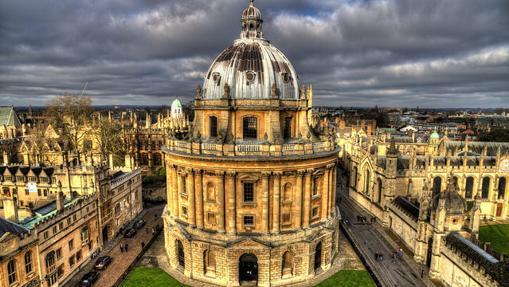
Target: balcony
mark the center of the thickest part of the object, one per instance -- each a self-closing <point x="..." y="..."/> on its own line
<point x="250" y="149"/>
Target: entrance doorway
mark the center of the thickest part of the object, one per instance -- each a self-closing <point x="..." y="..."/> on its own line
<point x="180" y="253"/>
<point x="430" y="252"/>
<point x="500" y="207"/>
<point x="248" y="269"/>
<point x="105" y="232"/>
<point x="318" y="257"/>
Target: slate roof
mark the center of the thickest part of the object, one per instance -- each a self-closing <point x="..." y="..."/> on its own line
<point x="11" y="227"/>
<point x="9" y="117"/>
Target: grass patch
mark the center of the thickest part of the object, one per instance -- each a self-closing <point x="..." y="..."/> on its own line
<point x="498" y="235"/>
<point x="349" y="278"/>
<point x="149" y="277"/>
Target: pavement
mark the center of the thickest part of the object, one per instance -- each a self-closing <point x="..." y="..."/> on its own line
<point x="122" y="260"/>
<point x="374" y="238"/>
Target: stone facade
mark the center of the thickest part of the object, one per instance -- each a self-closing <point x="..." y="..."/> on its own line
<point x="84" y="208"/>
<point x="252" y="187"/>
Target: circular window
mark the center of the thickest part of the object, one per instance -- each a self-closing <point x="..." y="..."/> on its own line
<point x="250" y="76"/>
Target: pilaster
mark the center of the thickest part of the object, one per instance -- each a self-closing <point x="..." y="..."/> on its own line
<point x="231" y="206"/>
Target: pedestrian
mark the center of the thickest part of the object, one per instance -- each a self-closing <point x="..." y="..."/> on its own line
<point x="121" y="248"/>
<point x="126" y="247"/>
<point x="142" y="245"/>
<point x="365" y="242"/>
<point x="153" y="231"/>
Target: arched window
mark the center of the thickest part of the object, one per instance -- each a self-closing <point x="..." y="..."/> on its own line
<point x="11" y="272"/>
<point x="367" y="175"/>
<point x="469" y="188"/>
<point x="287" y="268"/>
<point x="50" y="261"/>
<point x="211" y="192"/>
<point x="28" y="262"/>
<point x="485" y="188"/>
<point x="501" y="188"/>
<point x="378" y="197"/>
<point x="287" y="130"/>
<point x="354" y="177"/>
<point x="249" y="128"/>
<point x="437" y="185"/>
<point x="209" y="262"/>
<point x="287" y="192"/>
<point x="213" y="126"/>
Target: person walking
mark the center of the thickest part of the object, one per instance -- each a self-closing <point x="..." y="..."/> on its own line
<point x="121" y="248"/>
<point x="126" y="247"/>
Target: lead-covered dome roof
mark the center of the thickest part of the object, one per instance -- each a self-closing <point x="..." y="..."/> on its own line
<point x="251" y="68"/>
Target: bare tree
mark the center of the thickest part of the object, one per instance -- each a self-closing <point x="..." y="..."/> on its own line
<point x="109" y="138"/>
<point x="69" y="115"/>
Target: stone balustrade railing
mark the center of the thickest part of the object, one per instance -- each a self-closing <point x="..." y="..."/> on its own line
<point x="249" y="148"/>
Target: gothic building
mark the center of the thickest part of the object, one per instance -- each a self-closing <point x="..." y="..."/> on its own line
<point x="433" y="196"/>
<point x="251" y="188"/>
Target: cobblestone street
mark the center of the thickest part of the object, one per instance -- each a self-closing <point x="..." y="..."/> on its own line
<point x="371" y="239"/>
<point x="122" y="260"/>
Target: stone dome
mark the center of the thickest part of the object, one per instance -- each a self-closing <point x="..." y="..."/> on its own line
<point x="251" y="68"/>
<point x="454" y="202"/>
<point x="176" y="109"/>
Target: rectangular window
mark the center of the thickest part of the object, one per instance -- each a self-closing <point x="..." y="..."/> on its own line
<point x="58" y="253"/>
<point x="184" y="211"/>
<point x="71" y="244"/>
<point x="249" y="128"/>
<point x="184" y="185"/>
<point x="60" y="271"/>
<point x="248" y="220"/>
<point x="287" y="131"/>
<point x="55" y="230"/>
<point x="286" y="218"/>
<point x="78" y="256"/>
<point x="46" y="235"/>
<point x="213" y="127"/>
<point x="28" y="262"/>
<point x="211" y="219"/>
<point x="71" y="261"/>
<point x="248" y="192"/>
<point x="316" y="212"/>
<point x="315" y="186"/>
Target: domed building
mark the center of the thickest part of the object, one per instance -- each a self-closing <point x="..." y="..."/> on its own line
<point x="252" y="187"/>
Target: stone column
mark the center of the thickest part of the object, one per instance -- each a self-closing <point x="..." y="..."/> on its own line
<point x="176" y="186"/>
<point x="190" y="198"/>
<point x="265" y="202"/>
<point x="276" y="204"/>
<point x="325" y="193"/>
<point x="333" y="191"/>
<point x="298" y="200"/>
<point x="199" y="197"/>
<point x="221" y="201"/>
<point x="232" y="210"/>
<point x="307" y="199"/>
<point x="169" y="190"/>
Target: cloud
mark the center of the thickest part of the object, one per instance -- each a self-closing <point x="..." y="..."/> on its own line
<point x="436" y="53"/>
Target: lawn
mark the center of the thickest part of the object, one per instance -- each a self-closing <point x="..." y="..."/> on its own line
<point x="349" y="278"/>
<point x="498" y="235"/>
<point x="149" y="277"/>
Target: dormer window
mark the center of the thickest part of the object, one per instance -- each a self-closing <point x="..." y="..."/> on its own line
<point x="216" y="77"/>
<point x="286" y="78"/>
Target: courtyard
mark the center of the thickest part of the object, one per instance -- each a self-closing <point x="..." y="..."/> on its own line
<point x="497" y="235"/>
<point x="153" y="270"/>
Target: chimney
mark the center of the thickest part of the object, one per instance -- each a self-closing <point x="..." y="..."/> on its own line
<point x="60" y="201"/>
<point x="11" y="209"/>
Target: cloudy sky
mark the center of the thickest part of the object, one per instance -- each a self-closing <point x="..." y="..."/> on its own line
<point x="433" y="53"/>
